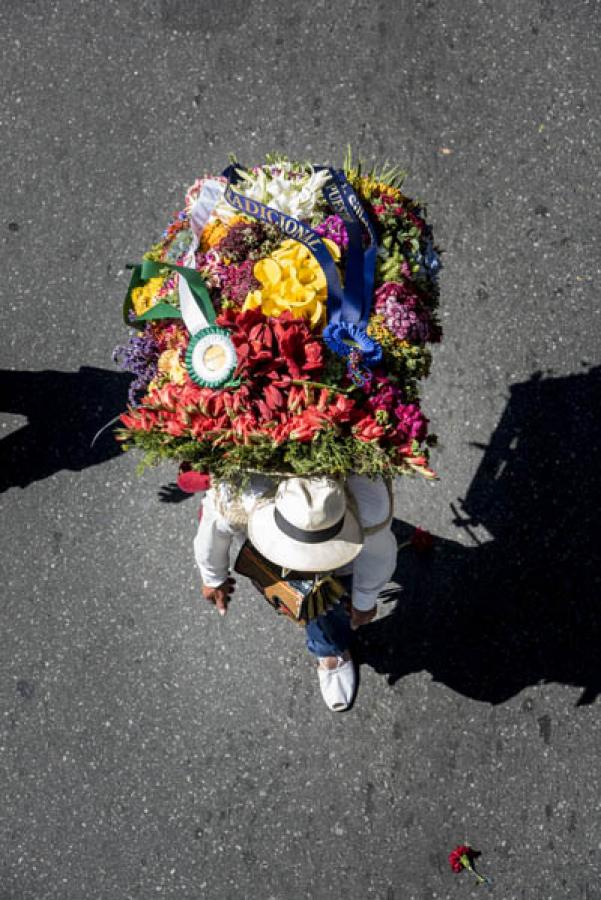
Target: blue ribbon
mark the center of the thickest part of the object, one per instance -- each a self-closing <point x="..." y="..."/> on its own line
<point x="361" y="265"/>
<point x="351" y="308"/>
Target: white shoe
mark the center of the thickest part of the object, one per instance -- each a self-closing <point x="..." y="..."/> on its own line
<point x="338" y="685"/>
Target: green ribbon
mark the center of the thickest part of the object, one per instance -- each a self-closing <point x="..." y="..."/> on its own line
<point x="150" y="269"/>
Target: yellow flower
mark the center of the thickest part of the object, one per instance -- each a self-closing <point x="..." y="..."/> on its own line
<point x="215" y="231"/>
<point x="143" y="298"/>
<point x="292" y="279"/>
<point x="369" y="188"/>
<point x="169" y="364"/>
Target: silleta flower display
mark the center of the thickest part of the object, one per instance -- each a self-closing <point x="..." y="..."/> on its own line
<point x="282" y="326"/>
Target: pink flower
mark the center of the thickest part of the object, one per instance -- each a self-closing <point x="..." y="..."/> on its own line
<point x="412" y="425"/>
<point x="405" y="314"/>
<point x="238" y="280"/>
<point x="384" y="395"/>
<point x="333" y="228"/>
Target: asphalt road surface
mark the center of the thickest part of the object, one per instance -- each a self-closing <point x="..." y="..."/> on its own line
<point x="149" y="748"/>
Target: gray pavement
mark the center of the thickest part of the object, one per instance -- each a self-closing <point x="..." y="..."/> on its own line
<point x="149" y="748"/>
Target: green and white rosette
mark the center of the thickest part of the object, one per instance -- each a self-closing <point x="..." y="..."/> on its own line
<point x="211" y="356"/>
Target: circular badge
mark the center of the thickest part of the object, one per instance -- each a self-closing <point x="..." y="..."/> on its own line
<point x="211" y="357"/>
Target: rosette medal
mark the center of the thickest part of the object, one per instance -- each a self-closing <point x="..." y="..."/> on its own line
<point x="211" y="357"/>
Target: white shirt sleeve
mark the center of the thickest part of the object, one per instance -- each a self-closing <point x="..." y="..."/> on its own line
<point x="212" y="544"/>
<point x="215" y="534"/>
<point x="374" y="566"/>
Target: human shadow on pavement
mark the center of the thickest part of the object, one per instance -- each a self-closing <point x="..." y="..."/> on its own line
<point x="524" y="607"/>
<point x="64" y="410"/>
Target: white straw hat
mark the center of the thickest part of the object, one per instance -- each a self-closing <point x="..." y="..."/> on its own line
<point x="308" y="527"/>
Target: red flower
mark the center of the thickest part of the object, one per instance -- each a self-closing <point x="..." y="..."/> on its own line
<point x="367" y="429"/>
<point x="190" y="394"/>
<point x="421" y="540"/>
<point x="215" y="404"/>
<point x="274" y="397"/>
<point x="463" y="850"/>
<point x="166" y="396"/>
<point x="299" y="349"/>
<point x="172" y="426"/>
<point x="241" y="397"/>
<point x="244" y="321"/>
<point x="307" y="424"/>
<point x="281" y="433"/>
<point x="296" y="398"/>
<point x="341" y="409"/>
<point x="253" y="339"/>
<point x="244" y="425"/>
<point x="200" y="425"/>
<point x="261" y="336"/>
<point x="276" y="348"/>
<point x="463" y="857"/>
<point x="128" y="421"/>
<point x="190" y="481"/>
<point x="265" y="413"/>
<point x="140" y="420"/>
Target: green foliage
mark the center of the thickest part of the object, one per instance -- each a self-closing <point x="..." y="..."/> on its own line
<point x="327" y="454"/>
<point x="388" y="173"/>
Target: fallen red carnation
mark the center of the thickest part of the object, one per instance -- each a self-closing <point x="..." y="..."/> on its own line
<point x="463" y="857"/>
<point x="462" y="850"/>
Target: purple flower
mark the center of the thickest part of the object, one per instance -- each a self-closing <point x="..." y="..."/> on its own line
<point x="211" y="268"/>
<point x="333" y="228"/>
<point x="243" y="241"/>
<point x="412" y="424"/>
<point x="140" y="357"/>
<point x="237" y="281"/>
<point x="405" y="314"/>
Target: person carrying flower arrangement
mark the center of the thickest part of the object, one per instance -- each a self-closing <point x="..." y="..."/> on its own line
<point x="314" y="525"/>
<point x="282" y="329"/>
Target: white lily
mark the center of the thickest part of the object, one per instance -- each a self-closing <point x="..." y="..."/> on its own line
<point x="292" y="196"/>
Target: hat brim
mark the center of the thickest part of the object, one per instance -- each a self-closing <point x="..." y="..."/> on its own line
<point x="284" y="551"/>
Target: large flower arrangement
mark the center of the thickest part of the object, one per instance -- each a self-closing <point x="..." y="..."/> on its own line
<point x="282" y="325"/>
